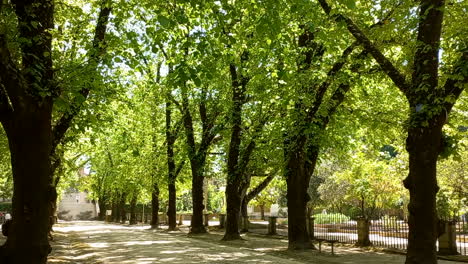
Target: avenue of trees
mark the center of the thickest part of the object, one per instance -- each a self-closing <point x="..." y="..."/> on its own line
<point x="212" y="105"/>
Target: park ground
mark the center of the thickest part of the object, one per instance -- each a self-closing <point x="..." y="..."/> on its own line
<point x="92" y="242"/>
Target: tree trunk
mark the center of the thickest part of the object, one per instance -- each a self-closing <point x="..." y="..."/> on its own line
<point x="297" y="179"/>
<point x="236" y="164"/>
<point x="233" y="205"/>
<point x="196" y="225"/>
<point x="29" y="137"/>
<point x="155" y="206"/>
<point x="133" y="218"/>
<point x="171" y="212"/>
<point x="171" y="167"/>
<point x="262" y="211"/>
<point x="244" y="205"/>
<point x="115" y="211"/>
<point x="423" y="145"/>
<point x="103" y="206"/>
<point x="123" y="213"/>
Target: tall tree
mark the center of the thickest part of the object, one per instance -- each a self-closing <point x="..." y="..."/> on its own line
<point x="26" y="99"/>
<point x="430" y="104"/>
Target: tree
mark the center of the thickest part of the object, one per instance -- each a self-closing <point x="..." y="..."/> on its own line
<point x="26" y="100"/>
<point x="430" y="104"/>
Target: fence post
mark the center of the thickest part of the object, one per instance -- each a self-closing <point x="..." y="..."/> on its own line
<point x="272" y="225"/>
<point x="363" y="232"/>
<point x="181" y="219"/>
<point x="222" y="220"/>
<point x="206" y="219"/>
<point x="310" y="227"/>
<point x="448" y="240"/>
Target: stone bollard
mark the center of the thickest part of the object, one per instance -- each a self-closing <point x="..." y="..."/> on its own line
<point x="222" y="220"/>
<point x="181" y="219"/>
<point x="363" y="225"/>
<point x="448" y="240"/>
<point x="272" y="225"/>
<point x="310" y="227"/>
<point x="206" y="218"/>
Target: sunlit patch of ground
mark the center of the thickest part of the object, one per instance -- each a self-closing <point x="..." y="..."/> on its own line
<point x="100" y="243"/>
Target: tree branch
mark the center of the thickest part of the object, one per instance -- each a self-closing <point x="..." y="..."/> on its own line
<point x="259" y="188"/>
<point x="10" y="79"/>
<point x="330" y="77"/>
<point x="95" y="54"/>
<point x="395" y="75"/>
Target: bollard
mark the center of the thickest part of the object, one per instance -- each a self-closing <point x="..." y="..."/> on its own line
<point x="448" y="240"/>
<point x="363" y="232"/>
<point x="272" y="225"/>
<point x="206" y="218"/>
<point x="222" y="220"/>
<point x="310" y="227"/>
<point x="181" y="219"/>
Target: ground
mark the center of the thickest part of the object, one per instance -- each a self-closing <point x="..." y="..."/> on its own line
<point x="93" y="242"/>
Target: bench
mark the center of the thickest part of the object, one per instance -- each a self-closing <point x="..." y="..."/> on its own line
<point x="331" y="241"/>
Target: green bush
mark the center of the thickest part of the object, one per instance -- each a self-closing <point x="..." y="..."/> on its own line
<point x="331" y="218"/>
<point x="5" y="207"/>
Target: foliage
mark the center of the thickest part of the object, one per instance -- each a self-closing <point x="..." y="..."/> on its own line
<point x="335" y="218"/>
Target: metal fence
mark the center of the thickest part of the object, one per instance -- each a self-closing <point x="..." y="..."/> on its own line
<point x="387" y="232"/>
<point x="335" y="228"/>
<point x="461" y="228"/>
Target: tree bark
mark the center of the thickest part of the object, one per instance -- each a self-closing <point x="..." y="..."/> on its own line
<point x="123" y="213"/>
<point x="26" y="100"/>
<point x="197" y="157"/>
<point x="171" y="167"/>
<point x="115" y="212"/>
<point x="297" y="179"/>
<point x="29" y="142"/>
<point x="133" y="218"/>
<point x="103" y="206"/>
<point x="155" y="206"/>
<point x="197" y="226"/>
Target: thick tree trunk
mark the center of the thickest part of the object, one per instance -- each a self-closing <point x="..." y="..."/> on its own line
<point x="29" y="136"/>
<point x="233" y="205"/>
<point x="196" y="225"/>
<point x="244" y="205"/>
<point x="133" y="218"/>
<point x="103" y="206"/>
<point x="423" y="145"/>
<point x="235" y="163"/>
<point x="171" y="167"/>
<point x="155" y="206"/>
<point x="298" y="172"/>
<point x="171" y="212"/>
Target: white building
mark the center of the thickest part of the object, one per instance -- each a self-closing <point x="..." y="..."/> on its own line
<point x="76" y="206"/>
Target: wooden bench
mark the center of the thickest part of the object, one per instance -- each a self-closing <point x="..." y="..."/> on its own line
<point x="331" y="241"/>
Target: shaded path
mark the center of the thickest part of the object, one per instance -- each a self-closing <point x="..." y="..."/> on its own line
<point x="98" y="242"/>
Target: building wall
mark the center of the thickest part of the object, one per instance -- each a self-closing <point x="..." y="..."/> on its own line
<point x="75" y="206"/>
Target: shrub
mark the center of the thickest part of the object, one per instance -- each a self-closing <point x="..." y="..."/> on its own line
<point x="331" y="218"/>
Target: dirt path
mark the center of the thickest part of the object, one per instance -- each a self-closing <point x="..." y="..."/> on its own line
<point x="97" y="242"/>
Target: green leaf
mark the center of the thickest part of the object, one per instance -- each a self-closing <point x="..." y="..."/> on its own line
<point x="164" y="21"/>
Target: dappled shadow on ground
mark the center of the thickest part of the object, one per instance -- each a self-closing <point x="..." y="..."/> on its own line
<point x="97" y="242"/>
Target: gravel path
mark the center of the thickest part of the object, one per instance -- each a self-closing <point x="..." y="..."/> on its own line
<point x="89" y="242"/>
